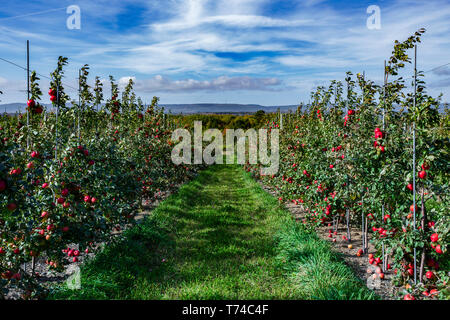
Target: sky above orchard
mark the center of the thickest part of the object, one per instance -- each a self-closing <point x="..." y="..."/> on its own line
<point x="224" y="51"/>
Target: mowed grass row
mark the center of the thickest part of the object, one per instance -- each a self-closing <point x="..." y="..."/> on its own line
<point x="220" y="237"/>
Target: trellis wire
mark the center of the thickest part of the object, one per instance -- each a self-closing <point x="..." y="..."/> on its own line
<point x="414" y="159"/>
<point x="347" y="218"/>
<point x="362" y="227"/>
<point x="79" y="104"/>
<point x="39" y="74"/>
<point x="56" y="120"/>
<point x="28" y="93"/>
<point x="363" y="230"/>
<point x="384" y="94"/>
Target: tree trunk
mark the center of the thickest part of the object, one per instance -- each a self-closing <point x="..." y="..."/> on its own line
<point x="349" y="236"/>
<point x="366" y="236"/>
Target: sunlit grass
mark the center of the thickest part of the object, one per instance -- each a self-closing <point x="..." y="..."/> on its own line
<point x="220" y="237"/>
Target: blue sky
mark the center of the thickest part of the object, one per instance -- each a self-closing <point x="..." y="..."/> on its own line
<point x="225" y="51"/>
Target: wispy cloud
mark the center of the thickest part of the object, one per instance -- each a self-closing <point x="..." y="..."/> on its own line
<point x="221" y="46"/>
<point x="223" y="83"/>
<point x="444" y="71"/>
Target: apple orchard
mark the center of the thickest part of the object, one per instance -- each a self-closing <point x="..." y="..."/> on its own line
<point x="373" y="157"/>
<point x="354" y="158"/>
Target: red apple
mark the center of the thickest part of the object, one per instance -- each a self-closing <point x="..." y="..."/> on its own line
<point x="64" y="192"/>
<point x="422" y="174"/>
<point x="434" y="237"/>
<point x="433" y="292"/>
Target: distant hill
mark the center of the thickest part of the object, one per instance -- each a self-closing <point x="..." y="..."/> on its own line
<point x="217" y="108"/>
<point x="184" y="108"/>
<point x="223" y="108"/>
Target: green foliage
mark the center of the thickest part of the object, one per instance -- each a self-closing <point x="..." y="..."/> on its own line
<point x="362" y="163"/>
<point x="225" y="121"/>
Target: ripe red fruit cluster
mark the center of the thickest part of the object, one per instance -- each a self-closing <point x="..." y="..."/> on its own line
<point x="347" y="117"/>
<point x="52" y="94"/>
<point x="34" y="107"/>
<point x="64" y="192"/>
<point x="379" y="135"/>
<point x="434" y="237"/>
<point x="423" y="173"/>
<point x="306" y="173"/>
<point x="319" y="114"/>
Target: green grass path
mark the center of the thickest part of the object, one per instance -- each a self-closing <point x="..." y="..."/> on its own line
<point x="220" y="237"/>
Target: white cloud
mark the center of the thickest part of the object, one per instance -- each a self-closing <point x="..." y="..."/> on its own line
<point x="222" y="83"/>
